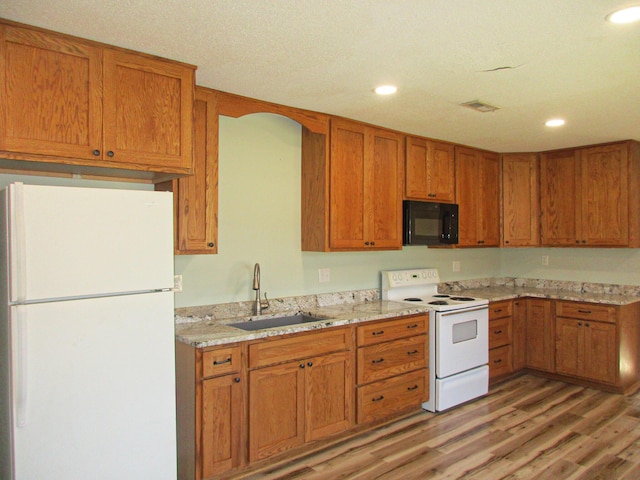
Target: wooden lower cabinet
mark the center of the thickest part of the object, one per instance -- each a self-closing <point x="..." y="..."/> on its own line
<point x="306" y="397"/>
<point x="392" y="367"/>
<point x="500" y="339"/>
<point x="540" y="333"/>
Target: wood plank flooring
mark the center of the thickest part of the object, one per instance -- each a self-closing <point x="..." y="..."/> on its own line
<point x="526" y="428"/>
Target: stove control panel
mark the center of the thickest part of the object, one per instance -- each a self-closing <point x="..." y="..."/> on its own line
<point x="416" y="276"/>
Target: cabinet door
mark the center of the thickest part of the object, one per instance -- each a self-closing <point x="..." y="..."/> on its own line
<point x="197" y="194"/>
<point x="430" y="171"/>
<point x="601" y="352"/>
<point x="540" y="335"/>
<point x="347" y="184"/>
<point x="276" y="409"/>
<point x="329" y="395"/>
<point x="222" y="424"/>
<point x="383" y="191"/>
<point x="519" y="342"/>
<point x="559" y="189"/>
<point x="51" y="88"/>
<point x="467" y="195"/>
<point x="148" y="111"/>
<point x="489" y="199"/>
<point x="604" y="195"/>
<point x="520" y="200"/>
<point x="569" y="346"/>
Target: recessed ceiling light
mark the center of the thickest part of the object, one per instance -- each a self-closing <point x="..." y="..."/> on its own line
<point x="555" y="122"/>
<point x="626" y="15"/>
<point x="386" y="90"/>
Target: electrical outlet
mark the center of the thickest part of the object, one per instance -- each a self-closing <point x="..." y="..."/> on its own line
<point x="324" y="275"/>
<point x="177" y="283"/>
<point x="456" y="266"/>
<point x="545" y="260"/>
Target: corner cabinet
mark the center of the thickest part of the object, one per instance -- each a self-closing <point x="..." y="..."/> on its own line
<point x="478" y="197"/>
<point x="196" y="196"/>
<point x="430" y="171"/>
<point x="76" y="106"/>
<point x="589" y="196"/>
<point x="352" y="188"/>
<point x="520" y="200"/>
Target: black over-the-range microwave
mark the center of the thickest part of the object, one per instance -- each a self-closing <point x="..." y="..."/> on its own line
<point x="427" y="223"/>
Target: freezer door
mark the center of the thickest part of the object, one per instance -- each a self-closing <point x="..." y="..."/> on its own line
<point x="69" y="241"/>
<point x="94" y="388"/>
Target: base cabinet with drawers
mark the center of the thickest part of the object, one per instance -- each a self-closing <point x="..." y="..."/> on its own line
<point x="392" y="367"/>
<point x="500" y="339"/>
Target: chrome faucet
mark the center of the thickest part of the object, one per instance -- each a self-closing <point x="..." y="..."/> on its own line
<point x="260" y="304"/>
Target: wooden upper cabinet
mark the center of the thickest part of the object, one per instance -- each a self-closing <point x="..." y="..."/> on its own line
<point x="68" y="101"/>
<point x="352" y="188"/>
<point x="148" y="110"/>
<point x="429" y="172"/>
<point x="196" y="196"/>
<point x="588" y="196"/>
<point x="520" y="200"/>
<point x="51" y="88"/>
<point x="477" y="193"/>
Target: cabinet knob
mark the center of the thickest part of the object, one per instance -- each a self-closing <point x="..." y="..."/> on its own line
<point x="302" y="365"/>
<point x="237" y="379"/>
<point x="96" y="153"/>
<point x="506" y="241"/>
<point x="310" y="364"/>
<point x="110" y="153"/>
<point x="373" y="243"/>
<point x="366" y="243"/>
<point x="210" y="244"/>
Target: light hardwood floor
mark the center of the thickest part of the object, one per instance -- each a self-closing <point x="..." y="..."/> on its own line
<point x="526" y="428"/>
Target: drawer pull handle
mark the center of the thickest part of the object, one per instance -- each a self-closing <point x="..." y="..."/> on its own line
<point x="585" y="311"/>
<point x="415" y="387"/>
<point x="377" y="399"/>
<point x="497" y="332"/>
<point x="379" y="332"/>
<point x="499" y="360"/>
<point x="378" y="361"/>
<point x="413" y="352"/>
<point x="413" y="325"/>
<point x="228" y="360"/>
<point x="498" y="310"/>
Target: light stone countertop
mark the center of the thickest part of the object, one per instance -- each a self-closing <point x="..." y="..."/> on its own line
<point x="211" y="325"/>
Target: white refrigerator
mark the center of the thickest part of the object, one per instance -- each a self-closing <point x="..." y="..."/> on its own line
<point x="86" y="334"/>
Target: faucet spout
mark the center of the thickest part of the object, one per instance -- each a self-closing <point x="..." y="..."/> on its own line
<point x="259" y="304"/>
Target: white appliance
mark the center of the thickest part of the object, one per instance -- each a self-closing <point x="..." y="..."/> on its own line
<point x="458" y="336"/>
<point x="86" y="334"/>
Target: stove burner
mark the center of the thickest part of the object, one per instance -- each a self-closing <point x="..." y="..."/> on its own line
<point x="463" y="299"/>
<point x="442" y="295"/>
<point x="413" y="299"/>
<point x="438" y="302"/>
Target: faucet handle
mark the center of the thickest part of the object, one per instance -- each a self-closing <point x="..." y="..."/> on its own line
<point x="265" y="303"/>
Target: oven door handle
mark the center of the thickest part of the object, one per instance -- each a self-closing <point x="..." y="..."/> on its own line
<point x="459" y="311"/>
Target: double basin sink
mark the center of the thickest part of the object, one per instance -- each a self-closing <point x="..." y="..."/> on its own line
<point x="274" y="322"/>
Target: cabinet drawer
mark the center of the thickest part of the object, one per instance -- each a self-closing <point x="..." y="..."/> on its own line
<point x="221" y="361"/>
<point x="499" y="332"/>
<point x="586" y="311"/>
<point x="270" y="352"/>
<point x="386" y="398"/>
<point x="500" y="309"/>
<point x="392" y="329"/>
<point x="500" y="361"/>
<point x="384" y="360"/>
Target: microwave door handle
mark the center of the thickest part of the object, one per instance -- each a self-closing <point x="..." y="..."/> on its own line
<point x="446" y="226"/>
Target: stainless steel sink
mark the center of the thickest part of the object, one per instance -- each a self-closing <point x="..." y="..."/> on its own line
<point x="274" y="322"/>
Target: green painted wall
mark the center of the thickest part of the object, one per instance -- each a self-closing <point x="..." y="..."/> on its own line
<point x="259" y="221"/>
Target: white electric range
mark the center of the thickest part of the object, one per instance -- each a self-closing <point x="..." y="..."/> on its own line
<point x="458" y="335"/>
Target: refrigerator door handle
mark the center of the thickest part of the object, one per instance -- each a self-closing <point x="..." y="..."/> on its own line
<point x="20" y="367"/>
<point x="18" y="231"/>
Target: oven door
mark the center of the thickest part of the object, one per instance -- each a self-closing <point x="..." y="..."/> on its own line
<point x="462" y="340"/>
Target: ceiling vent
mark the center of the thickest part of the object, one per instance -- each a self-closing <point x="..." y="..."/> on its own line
<point x="478" y="106"/>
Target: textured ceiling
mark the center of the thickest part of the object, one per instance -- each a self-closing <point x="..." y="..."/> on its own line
<point x="328" y="55"/>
